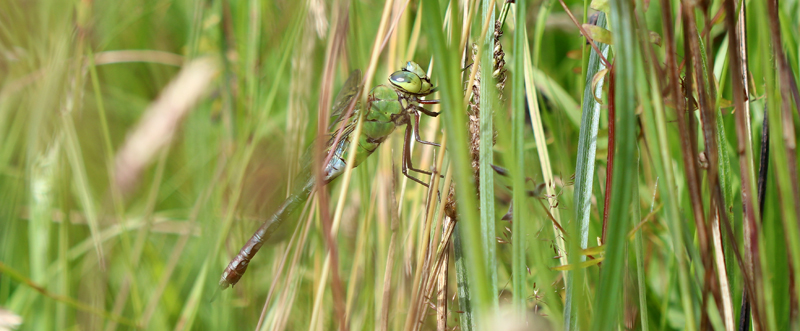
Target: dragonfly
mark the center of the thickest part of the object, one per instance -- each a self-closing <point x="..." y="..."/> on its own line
<point x="387" y="107"/>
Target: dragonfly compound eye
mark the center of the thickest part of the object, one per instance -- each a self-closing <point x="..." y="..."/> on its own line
<point x="406" y="81"/>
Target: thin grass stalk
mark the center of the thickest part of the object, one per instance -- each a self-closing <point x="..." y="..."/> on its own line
<point x="584" y="177"/>
<point x="626" y="59"/>
<point x="114" y="189"/>
<point x="533" y="79"/>
<point x="42" y="192"/>
<point x="379" y="233"/>
<point x="719" y="170"/>
<point x="709" y="124"/>
<point x="448" y="241"/>
<point x="441" y="295"/>
<point x="741" y="32"/>
<point x="415" y="315"/>
<point x="432" y="252"/>
<point x="451" y="97"/>
<point x="363" y="236"/>
<point x="647" y="102"/>
<point x="520" y="211"/>
<point x="488" y="94"/>
<point x="189" y="312"/>
<point x="789" y="91"/>
<point x="350" y="161"/>
<point x="611" y="150"/>
<point x="418" y="300"/>
<point x="744" y="316"/>
<point x="694" y="80"/>
<point x="73" y="101"/>
<point x="139" y="245"/>
<point x="76" y="304"/>
<point x="630" y="309"/>
<point x="289" y="292"/>
<point x="640" y="271"/>
<point x="665" y="170"/>
<point x="538" y="30"/>
<point x="467" y="322"/>
<point x="336" y="44"/>
<point x="179" y="246"/>
<point x="782" y="150"/>
<point x="725" y="182"/>
<point x="298" y="229"/>
<point x="387" y="301"/>
<point x="687" y="128"/>
<point x="85" y="198"/>
<point x="721" y="253"/>
<point x="543" y="154"/>
<point x="745" y="154"/>
<point x="540" y="257"/>
<point x="424" y="274"/>
<point x="439" y="262"/>
<point x="62" y="313"/>
<point x="384" y="319"/>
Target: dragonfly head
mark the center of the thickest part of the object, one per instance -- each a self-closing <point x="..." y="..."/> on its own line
<point x="412" y="79"/>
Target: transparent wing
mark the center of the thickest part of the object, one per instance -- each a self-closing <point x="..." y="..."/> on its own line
<point x="349" y="91"/>
<point x="347" y="94"/>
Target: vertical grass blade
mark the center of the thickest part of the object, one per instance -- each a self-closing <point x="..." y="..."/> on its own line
<point x="520" y="210"/>
<point x="465" y="316"/>
<point x="454" y="120"/>
<point x="627" y="58"/>
<point x="486" y="183"/>
<point x="584" y="176"/>
<point x="638" y="250"/>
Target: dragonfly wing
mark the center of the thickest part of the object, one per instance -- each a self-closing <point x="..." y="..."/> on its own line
<point x="347" y="94"/>
<point x="349" y="91"/>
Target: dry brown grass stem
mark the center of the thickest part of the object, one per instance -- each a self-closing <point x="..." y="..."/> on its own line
<point x="334" y="47"/>
<point x="441" y="296"/>
<point x="423" y="270"/>
<point x="708" y="118"/>
<point x="284" y="305"/>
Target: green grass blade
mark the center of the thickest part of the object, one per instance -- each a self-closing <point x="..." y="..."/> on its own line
<point x="638" y="248"/>
<point x="488" y="99"/>
<point x="626" y="58"/>
<point x="584" y="176"/>
<point x="454" y="118"/>
<point x="520" y="210"/>
<point x="466" y="320"/>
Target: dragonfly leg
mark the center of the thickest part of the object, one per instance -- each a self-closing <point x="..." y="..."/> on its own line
<point x="408" y="155"/>
<point x="429" y="102"/>
<point x="416" y="133"/>
<point x="427" y="112"/>
<point x="406" y="164"/>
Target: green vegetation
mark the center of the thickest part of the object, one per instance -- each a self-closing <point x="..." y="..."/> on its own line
<point x="141" y="144"/>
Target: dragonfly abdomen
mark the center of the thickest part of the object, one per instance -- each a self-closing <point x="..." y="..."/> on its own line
<point x="238" y="265"/>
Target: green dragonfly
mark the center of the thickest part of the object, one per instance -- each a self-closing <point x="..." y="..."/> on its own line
<point x="388" y="106"/>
